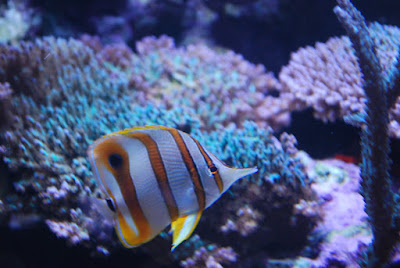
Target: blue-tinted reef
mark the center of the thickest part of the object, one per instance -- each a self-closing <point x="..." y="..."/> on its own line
<point x="63" y="100"/>
<point x="235" y="76"/>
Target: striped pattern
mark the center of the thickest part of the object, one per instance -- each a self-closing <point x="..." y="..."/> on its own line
<point x="149" y="195"/>
<point x="216" y="175"/>
<point x="164" y="178"/>
<point x="159" y="170"/>
<point x="191" y="167"/>
<point x="128" y="195"/>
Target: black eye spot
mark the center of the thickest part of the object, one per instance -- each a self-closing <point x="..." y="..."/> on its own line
<point x="110" y="204"/>
<point x="115" y="161"/>
<point x="213" y="169"/>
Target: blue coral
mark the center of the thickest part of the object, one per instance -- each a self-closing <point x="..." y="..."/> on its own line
<point x="254" y="146"/>
<point x="64" y="101"/>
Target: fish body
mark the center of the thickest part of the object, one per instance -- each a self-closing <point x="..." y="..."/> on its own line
<point x="156" y="176"/>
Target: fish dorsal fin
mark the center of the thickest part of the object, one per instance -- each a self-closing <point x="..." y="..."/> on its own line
<point x="129" y="130"/>
<point x="183" y="227"/>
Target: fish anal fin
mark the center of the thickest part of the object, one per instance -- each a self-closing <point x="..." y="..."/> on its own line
<point x="183" y="227"/>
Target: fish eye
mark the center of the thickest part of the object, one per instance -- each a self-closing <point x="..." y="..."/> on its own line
<point x="213" y="169"/>
<point x="115" y="161"/>
<point x="110" y="204"/>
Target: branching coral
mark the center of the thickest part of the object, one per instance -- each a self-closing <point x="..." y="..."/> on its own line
<point x="45" y="146"/>
<point x="258" y="212"/>
<point x="63" y="100"/>
<point x="255" y="146"/>
<point x="210" y="257"/>
<point x="33" y="68"/>
<point x="255" y="9"/>
<point x="381" y="89"/>
<point x="327" y="77"/>
<point x="15" y="21"/>
<point x="220" y="86"/>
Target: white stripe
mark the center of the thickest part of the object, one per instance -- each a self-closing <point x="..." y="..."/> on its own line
<point x="111" y="183"/>
<point x="206" y="177"/>
<point x="107" y="179"/>
<point x="179" y="177"/>
<point x="97" y="176"/>
<point x="148" y="193"/>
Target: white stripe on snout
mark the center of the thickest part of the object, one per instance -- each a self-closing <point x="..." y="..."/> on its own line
<point x="113" y="186"/>
<point x="111" y="183"/>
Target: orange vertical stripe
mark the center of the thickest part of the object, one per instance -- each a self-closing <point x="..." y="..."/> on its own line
<point x="217" y="176"/>
<point x="160" y="172"/>
<point x="191" y="167"/>
<point x="127" y="188"/>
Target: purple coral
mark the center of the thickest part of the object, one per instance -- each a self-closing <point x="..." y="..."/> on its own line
<point x="246" y="223"/>
<point x="327" y="77"/>
<point x="343" y="219"/>
<point x="221" y="86"/>
<point x="210" y="257"/>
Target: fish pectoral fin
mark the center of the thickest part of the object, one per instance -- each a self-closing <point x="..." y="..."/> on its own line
<point x="183" y="227"/>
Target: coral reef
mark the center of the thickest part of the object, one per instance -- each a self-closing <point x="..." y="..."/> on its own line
<point x="58" y="95"/>
<point x="343" y="219"/>
<point x="210" y="257"/>
<point x="16" y="21"/>
<point x="63" y="101"/>
<point x="327" y="77"/>
<point x="258" y="9"/>
<point x="221" y="87"/>
<point x="261" y="206"/>
<point x="381" y="88"/>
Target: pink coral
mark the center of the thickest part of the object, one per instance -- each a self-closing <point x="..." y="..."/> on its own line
<point x="212" y="81"/>
<point x="327" y="77"/>
<point x="343" y="219"/>
<point x="210" y="257"/>
<point x="246" y="222"/>
<point x="5" y="91"/>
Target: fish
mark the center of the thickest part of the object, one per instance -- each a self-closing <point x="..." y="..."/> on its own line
<point x="155" y="176"/>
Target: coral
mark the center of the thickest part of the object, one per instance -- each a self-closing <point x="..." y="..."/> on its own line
<point x="258" y="9"/>
<point x="257" y="212"/>
<point x="62" y="103"/>
<point x="342" y="232"/>
<point x="381" y="87"/>
<point x="33" y="68"/>
<point x="246" y="222"/>
<point x="5" y="91"/>
<point x="198" y="21"/>
<point x="45" y="146"/>
<point x="327" y="77"/>
<point x="15" y="21"/>
<point x="274" y="158"/>
<point x="221" y="87"/>
<point x="210" y="257"/>
<point x="68" y="230"/>
<point x="344" y="221"/>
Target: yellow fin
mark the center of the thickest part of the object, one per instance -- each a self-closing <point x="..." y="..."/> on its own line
<point x="183" y="227"/>
<point x="129" y="130"/>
